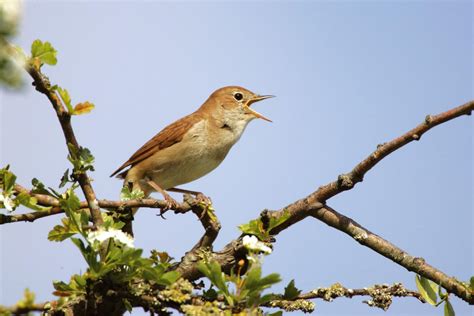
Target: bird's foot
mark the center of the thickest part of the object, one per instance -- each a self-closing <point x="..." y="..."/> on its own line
<point x="170" y="204"/>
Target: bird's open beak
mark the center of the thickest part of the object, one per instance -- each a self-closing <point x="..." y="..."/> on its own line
<point x="256" y="99"/>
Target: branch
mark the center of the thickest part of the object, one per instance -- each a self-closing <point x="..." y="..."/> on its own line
<point x="189" y="204"/>
<point x="349" y="180"/>
<point x="22" y="310"/>
<point x="392" y="252"/>
<point x="381" y="296"/>
<point x="43" y="85"/>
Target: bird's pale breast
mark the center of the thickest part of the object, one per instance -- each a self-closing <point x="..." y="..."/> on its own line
<point x="196" y="155"/>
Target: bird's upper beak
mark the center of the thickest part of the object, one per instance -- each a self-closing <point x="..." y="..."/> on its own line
<point x="256" y="99"/>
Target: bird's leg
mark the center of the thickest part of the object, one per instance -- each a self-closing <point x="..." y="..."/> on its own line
<point x="200" y="197"/>
<point x="171" y="203"/>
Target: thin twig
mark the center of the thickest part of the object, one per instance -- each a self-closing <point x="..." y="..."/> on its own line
<point x="42" y="84"/>
<point x="380" y="296"/>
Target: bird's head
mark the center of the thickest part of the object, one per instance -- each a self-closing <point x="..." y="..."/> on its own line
<point x="234" y="103"/>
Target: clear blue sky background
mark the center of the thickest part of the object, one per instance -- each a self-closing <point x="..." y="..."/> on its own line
<point x="348" y="75"/>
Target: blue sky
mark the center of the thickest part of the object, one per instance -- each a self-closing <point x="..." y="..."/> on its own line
<point x="348" y="75"/>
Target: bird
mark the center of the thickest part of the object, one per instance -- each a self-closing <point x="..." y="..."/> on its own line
<point x="192" y="146"/>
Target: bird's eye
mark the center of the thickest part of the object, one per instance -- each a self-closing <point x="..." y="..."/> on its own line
<point x="238" y="96"/>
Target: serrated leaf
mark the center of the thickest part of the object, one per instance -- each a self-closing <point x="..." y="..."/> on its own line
<point x="254" y="227"/>
<point x="126" y="194"/>
<point x="83" y="108"/>
<point x="291" y="292"/>
<point x="448" y="309"/>
<point x="45" y="52"/>
<point x="427" y="289"/>
<point x="60" y="233"/>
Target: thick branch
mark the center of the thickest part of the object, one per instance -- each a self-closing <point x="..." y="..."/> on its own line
<point x="392" y="252"/>
<point x="43" y="85"/>
<point x="349" y="180"/>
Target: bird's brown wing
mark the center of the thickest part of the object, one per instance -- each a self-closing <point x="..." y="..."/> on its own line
<point x="169" y="136"/>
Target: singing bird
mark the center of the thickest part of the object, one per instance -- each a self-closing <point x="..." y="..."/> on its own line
<point x="192" y="146"/>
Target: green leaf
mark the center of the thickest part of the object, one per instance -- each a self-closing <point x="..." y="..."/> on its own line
<point x="61" y="286"/>
<point x="8" y="181"/>
<point x="79" y="280"/>
<point x="27" y="301"/>
<point x="169" y="278"/>
<point x="212" y="270"/>
<point x="291" y="292"/>
<point x="126" y="195"/>
<point x="427" y="289"/>
<point x="39" y="188"/>
<point x="65" y="178"/>
<point x="254" y="227"/>
<point x="45" y="52"/>
<point x="83" y="108"/>
<point x="62" y="232"/>
<point x="81" y="158"/>
<point x="448" y="309"/>
<point x="70" y="201"/>
<point x="127" y="305"/>
<point x="471" y="283"/>
<point x="252" y="278"/>
<point x="64" y="94"/>
<point x="266" y="298"/>
<point x="269" y="280"/>
<point x="279" y="313"/>
<point x="25" y="199"/>
<point x="274" y="222"/>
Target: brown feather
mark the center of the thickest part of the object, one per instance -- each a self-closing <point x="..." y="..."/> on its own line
<point x="169" y="136"/>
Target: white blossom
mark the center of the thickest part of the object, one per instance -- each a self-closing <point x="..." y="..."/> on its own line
<point x="116" y="234"/>
<point x="10" y="12"/>
<point x="7" y="202"/>
<point x="252" y="243"/>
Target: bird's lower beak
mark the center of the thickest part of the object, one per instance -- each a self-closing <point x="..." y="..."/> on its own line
<point x="256" y="99"/>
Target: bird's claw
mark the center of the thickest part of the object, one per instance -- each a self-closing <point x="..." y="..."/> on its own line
<point x="170" y="204"/>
